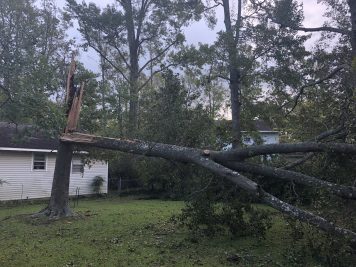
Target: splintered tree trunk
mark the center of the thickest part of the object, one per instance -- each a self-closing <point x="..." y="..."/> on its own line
<point x="59" y="202"/>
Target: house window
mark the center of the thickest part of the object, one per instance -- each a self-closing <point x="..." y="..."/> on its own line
<point x="77" y="166"/>
<point x="39" y="161"/>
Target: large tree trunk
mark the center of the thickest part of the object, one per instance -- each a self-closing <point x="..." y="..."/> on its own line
<point x="134" y="67"/>
<point x="352" y="4"/>
<point x="234" y="72"/>
<point x="59" y="203"/>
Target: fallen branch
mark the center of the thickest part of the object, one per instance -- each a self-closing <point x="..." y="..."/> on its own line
<point x="343" y="191"/>
<point x="252" y="151"/>
<point x="337" y="131"/>
<point x="203" y="158"/>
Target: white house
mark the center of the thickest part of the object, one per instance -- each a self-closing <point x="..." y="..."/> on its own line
<point x="27" y="166"/>
<point x="260" y="131"/>
<point x="265" y="132"/>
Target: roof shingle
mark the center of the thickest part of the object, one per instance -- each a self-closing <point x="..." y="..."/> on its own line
<point x="25" y="136"/>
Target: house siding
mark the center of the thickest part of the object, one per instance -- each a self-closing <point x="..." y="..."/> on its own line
<point x="22" y="182"/>
<point x="270" y="138"/>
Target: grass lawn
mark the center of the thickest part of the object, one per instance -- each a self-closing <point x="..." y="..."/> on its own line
<point x="126" y="232"/>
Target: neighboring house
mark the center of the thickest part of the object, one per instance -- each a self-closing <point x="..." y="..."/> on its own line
<point x="27" y="164"/>
<point x="261" y="132"/>
<point x="265" y="132"/>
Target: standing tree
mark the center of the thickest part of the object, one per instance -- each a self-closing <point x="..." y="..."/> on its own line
<point x="31" y="61"/>
<point x="133" y="36"/>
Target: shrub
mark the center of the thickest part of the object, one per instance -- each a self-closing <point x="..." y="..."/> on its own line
<point x="97" y="183"/>
<point x="309" y="244"/>
<point x="207" y="216"/>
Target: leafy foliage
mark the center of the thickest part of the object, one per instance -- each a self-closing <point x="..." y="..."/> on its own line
<point x="31" y="65"/>
<point x="311" y="245"/>
<point x="204" y="215"/>
<point x="97" y="183"/>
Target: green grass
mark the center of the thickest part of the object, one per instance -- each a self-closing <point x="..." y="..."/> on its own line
<point x="126" y="232"/>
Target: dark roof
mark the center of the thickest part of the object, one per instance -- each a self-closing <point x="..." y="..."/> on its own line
<point x="262" y="126"/>
<point x="25" y="136"/>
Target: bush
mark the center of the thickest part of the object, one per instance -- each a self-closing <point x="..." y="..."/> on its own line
<point x="309" y="244"/>
<point x="97" y="183"/>
<point x="204" y="215"/>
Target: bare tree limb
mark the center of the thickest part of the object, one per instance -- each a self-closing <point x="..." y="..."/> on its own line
<point x="252" y="151"/>
<point x="314" y="29"/>
<point x="200" y="157"/>
<point x="301" y="89"/>
<point x="110" y="62"/>
<point x="298" y="162"/>
<point x="238" y="22"/>
<point x="306" y="216"/>
<point x="322" y="29"/>
<point x="317" y="138"/>
<point x="153" y="74"/>
<point x="212" y="7"/>
<point x="112" y="43"/>
<point x="343" y="191"/>
<point x="87" y="37"/>
<point x="159" y="54"/>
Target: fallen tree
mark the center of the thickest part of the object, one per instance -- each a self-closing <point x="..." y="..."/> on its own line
<point x="226" y="164"/>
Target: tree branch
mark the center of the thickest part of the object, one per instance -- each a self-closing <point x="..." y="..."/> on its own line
<point x="110" y="62"/>
<point x="301" y="90"/>
<point x="153" y="74"/>
<point x="321" y="29"/>
<point x="157" y="56"/>
<point x="306" y="216"/>
<point x="252" y="151"/>
<point x="314" y="29"/>
<point x="200" y="157"/>
<point x="343" y="191"/>
<point x="315" y="139"/>
<point x="144" y="5"/>
<point x="120" y="54"/>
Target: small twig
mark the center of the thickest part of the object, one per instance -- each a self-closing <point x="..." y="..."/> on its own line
<point x="301" y="89"/>
<point x="202" y="189"/>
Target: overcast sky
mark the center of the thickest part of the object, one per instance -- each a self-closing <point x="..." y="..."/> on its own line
<point x="199" y="32"/>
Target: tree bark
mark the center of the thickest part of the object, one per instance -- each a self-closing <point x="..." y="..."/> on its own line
<point x="234" y="72"/>
<point x="252" y="151"/>
<point x="347" y="192"/>
<point x="59" y="203"/>
<point x="352" y="5"/>
<point x="134" y="67"/>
